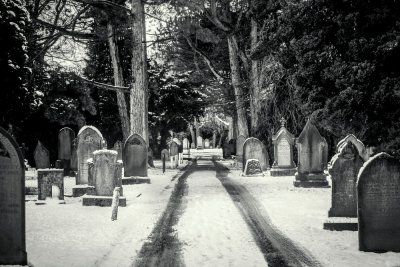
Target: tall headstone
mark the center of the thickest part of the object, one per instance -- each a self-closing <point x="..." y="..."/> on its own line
<point x="135" y="156"/>
<point x="89" y="140"/>
<point x="174" y="154"/>
<point x="199" y="142"/>
<point x="104" y="177"/>
<point x="232" y="143"/>
<point x="118" y="147"/>
<point x="227" y="150"/>
<point x="186" y="147"/>
<point x="41" y="156"/>
<point x="312" y="152"/>
<point x="255" y="149"/>
<point x="283" y="142"/>
<point x="362" y="151"/>
<point x="65" y="138"/>
<point x="74" y="156"/>
<point x="378" y="188"/>
<point x="206" y="143"/>
<point x="239" y="147"/>
<point x="12" y="202"/>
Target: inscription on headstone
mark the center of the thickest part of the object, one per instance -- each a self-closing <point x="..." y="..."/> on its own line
<point x="135" y="156"/>
<point x="378" y="188"/>
<point x="253" y="168"/>
<point x="12" y="202"/>
<point x="42" y="156"/>
<point x="255" y="149"/>
<point x="284" y="157"/>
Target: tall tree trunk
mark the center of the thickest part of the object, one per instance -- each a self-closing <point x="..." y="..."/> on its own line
<point x="192" y="134"/>
<point x="118" y="79"/>
<point x="255" y="103"/>
<point x="236" y="83"/>
<point x="139" y="92"/>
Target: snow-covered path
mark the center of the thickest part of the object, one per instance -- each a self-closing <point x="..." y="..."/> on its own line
<point x="211" y="228"/>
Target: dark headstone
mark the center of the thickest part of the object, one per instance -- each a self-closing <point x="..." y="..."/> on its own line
<point x="118" y="147"/>
<point x="227" y="150"/>
<point x="283" y="142"/>
<point x="378" y="188"/>
<point x="255" y="149"/>
<point x="46" y="179"/>
<point x="344" y="171"/>
<point x="232" y="142"/>
<point x="12" y="202"/>
<point x="89" y="140"/>
<point x="173" y="149"/>
<point x="135" y="156"/>
<point x="74" y="156"/>
<point x="41" y="156"/>
<point x="312" y="152"/>
<point x="253" y="168"/>
<point x="65" y="138"/>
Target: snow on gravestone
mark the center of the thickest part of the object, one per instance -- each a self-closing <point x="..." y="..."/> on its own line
<point x="12" y="202"/>
<point x="255" y="149"/>
<point x="312" y="153"/>
<point x="41" y="156"/>
<point x="283" y="142"/>
<point x="206" y="143"/>
<point x="239" y="147"/>
<point x="65" y="138"/>
<point x="362" y="151"/>
<point x="253" y="168"/>
<point x="118" y="147"/>
<point x="378" y="188"/>
<point x="344" y="171"/>
<point x="134" y="156"/>
<point x="89" y="140"/>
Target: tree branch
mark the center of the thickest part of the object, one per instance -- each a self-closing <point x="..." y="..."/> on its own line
<point x="80" y="35"/>
<point x="104" y="86"/>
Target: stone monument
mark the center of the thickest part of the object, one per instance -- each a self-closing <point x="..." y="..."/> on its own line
<point x="312" y="152"/>
<point x="46" y="179"/>
<point x="12" y="202"/>
<point x="255" y="149"/>
<point x="378" y="191"/>
<point x="65" y="138"/>
<point x="174" y="154"/>
<point x="199" y="142"/>
<point x="252" y="168"/>
<point x="41" y="156"/>
<point x="283" y="142"/>
<point x="362" y="151"/>
<point x="134" y="156"/>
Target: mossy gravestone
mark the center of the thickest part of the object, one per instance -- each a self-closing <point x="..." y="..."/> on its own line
<point x="378" y="188"/>
<point x="41" y="156"/>
<point x="12" y="202"/>
<point x="134" y="156"/>
<point x="255" y="149"/>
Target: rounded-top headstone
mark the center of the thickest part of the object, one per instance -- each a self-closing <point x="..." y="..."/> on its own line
<point x="255" y="149"/>
<point x="41" y="156"/>
<point x="65" y="138"/>
<point x="12" y="202"/>
<point x="378" y="188"/>
<point x="173" y="149"/>
<point x="134" y="156"/>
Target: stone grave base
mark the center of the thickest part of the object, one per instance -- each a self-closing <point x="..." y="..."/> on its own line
<point x="253" y="175"/>
<point x="80" y="190"/>
<point x="43" y="202"/>
<point x="135" y="180"/>
<point x="283" y="172"/>
<point x="101" y="201"/>
<point x="311" y="180"/>
<point x="341" y="224"/>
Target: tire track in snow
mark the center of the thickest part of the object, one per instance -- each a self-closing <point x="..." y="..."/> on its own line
<point x="162" y="247"/>
<point x="278" y="250"/>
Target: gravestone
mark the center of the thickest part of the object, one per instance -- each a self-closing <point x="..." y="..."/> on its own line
<point x="89" y="140"/>
<point x="65" y="138"/>
<point x="104" y="176"/>
<point x="255" y="149"/>
<point x="174" y="154"/>
<point x="41" y="156"/>
<point x="12" y="202"/>
<point x="232" y="143"/>
<point x="118" y="147"/>
<point x="312" y="153"/>
<point x="46" y="179"/>
<point x="165" y="153"/>
<point x="193" y="145"/>
<point x="199" y="142"/>
<point x="252" y="168"/>
<point x="378" y="189"/>
<point x="227" y="150"/>
<point x="344" y="170"/>
<point x="362" y="151"/>
<point x="135" y="156"/>
<point x="239" y="147"/>
<point x="150" y="157"/>
<point x="74" y="156"/>
<point x="283" y="142"/>
<point x="185" y="144"/>
<point x="206" y="143"/>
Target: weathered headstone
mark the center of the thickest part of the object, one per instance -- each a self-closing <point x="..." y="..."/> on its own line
<point x="232" y="143"/>
<point x="105" y="176"/>
<point x="227" y="150"/>
<point x="255" y="149"/>
<point x="74" y="156"/>
<point x="41" y="156"/>
<point x="174" y="154"/>
<point x="199" y="142"/>
<point x="239" y="147"/>
<point x="283" y="142"/>
<point x="165" y="153"/>
<point x="362" y="151"/>
<point x="344" y="170"/>
<point x="252" y="168"/>
<point x="135" y="156"/>
<point x="118" y="147"/>
<point x="378" y="188"/>
<point x="46" y="179"/>
<point x="312" y="152"/>
<point x="65" y="138"/>
<point x="150" y="157"/>
<point x="206" y="143"/>
<point x="89" y="140"/>
<point x="12" y="202"/>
